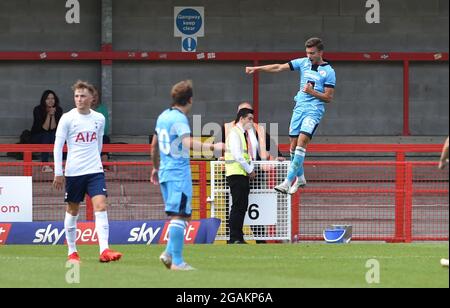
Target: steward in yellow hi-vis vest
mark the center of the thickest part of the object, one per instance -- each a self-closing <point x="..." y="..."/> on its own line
<point x="232" y="166"/>
<point x="239" y="171"/>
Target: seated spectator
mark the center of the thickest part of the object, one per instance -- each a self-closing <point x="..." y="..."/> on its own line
<point x="99" y="107"/>
<point x="45" y="120"/>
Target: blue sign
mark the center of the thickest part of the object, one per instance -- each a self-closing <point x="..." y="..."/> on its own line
<point x="147" y="232"/>
<point x="189" y="21"/>
<point x="189" y="44"/>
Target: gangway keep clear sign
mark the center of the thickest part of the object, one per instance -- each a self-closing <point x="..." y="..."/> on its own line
<point x="189" y="23"/>
<point x="16" y="199"/>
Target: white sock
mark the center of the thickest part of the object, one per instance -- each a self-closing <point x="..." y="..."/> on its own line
<point x="102" y="229"/>
<point x="70" y="227"/>
<point x="287" y="182"/>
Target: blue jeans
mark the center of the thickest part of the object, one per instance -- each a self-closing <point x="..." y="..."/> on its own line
<point x="44" y="138"/>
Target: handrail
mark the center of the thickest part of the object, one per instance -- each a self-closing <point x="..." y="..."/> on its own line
<point x="143" y="55"/>
<point x="327" y="148"/>
<point x="129" y="148"/>
<point x="370" y="148"/>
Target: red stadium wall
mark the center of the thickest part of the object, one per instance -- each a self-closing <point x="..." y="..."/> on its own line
<point x="396" y="201"/>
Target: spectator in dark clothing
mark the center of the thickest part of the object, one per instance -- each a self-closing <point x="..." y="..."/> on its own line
<point x="45" y="120"/>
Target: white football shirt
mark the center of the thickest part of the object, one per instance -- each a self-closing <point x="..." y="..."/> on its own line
<point x="84" y="136"/>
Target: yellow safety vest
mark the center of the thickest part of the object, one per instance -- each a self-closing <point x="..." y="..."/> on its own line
<point x="260" y="134"/>
<point x="232" y="167"/>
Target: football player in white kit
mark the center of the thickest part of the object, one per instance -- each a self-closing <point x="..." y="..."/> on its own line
<point x="82" y="129"/>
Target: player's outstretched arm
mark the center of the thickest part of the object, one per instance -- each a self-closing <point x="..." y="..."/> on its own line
<point x="191" y="143"/>
<point x="270" y="68"/>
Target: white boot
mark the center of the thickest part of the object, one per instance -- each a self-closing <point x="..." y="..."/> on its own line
<point x="300" y="183"/>
<point x="283" y="187"/>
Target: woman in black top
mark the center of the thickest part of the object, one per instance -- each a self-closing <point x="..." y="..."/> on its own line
<point x="45" y="120"/>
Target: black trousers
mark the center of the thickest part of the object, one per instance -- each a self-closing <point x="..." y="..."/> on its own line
<point x="240" y="189"/>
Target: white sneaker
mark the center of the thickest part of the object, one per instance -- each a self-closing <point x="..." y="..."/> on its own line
<point x="182" y="267"/>
<point x="47" y="169"/>
<point x="282" y="188"/>
<point x="300" y="183"/>
<point x="166" y="259"/>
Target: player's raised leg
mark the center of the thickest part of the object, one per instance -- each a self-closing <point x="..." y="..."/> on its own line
<point x="296" y="170"/>
<point x="294" y="131"/>
<point x="299" y="141"/>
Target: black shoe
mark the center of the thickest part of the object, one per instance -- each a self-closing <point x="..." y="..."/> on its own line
<point x="237" y="242"/>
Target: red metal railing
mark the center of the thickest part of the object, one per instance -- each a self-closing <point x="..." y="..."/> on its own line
<point x="360" y="189"/>
<point x="384" y="200"/>
<point x="107" y="55"/>
<point x="403" y="183"/>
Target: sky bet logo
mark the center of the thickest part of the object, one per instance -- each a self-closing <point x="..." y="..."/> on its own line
<point x="4" y="231"/>
<point x="86" y="234"/>
<point x="143" y="234"/>
<point x="149" y="234"/>
<point x="190" y="233"/>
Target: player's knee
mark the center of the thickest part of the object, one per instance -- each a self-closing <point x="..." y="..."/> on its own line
<point x="72" y="212"/>
<point x="73" y="208"/>
<point x="99" y="203"/>
<point x="100" y="207"/>
<point x="293" y="143"/>
<point x="303" y="140"/>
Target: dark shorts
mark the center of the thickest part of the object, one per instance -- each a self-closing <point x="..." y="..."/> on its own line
<point x="78" y="186"/>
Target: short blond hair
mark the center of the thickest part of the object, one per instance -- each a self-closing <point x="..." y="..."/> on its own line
<point x="83" y="85"/>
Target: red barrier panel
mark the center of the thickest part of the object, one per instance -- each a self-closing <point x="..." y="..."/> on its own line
<point x="397" y="201"/>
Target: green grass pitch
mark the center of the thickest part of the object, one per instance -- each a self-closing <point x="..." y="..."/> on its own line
<point x="233" y="266"/>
